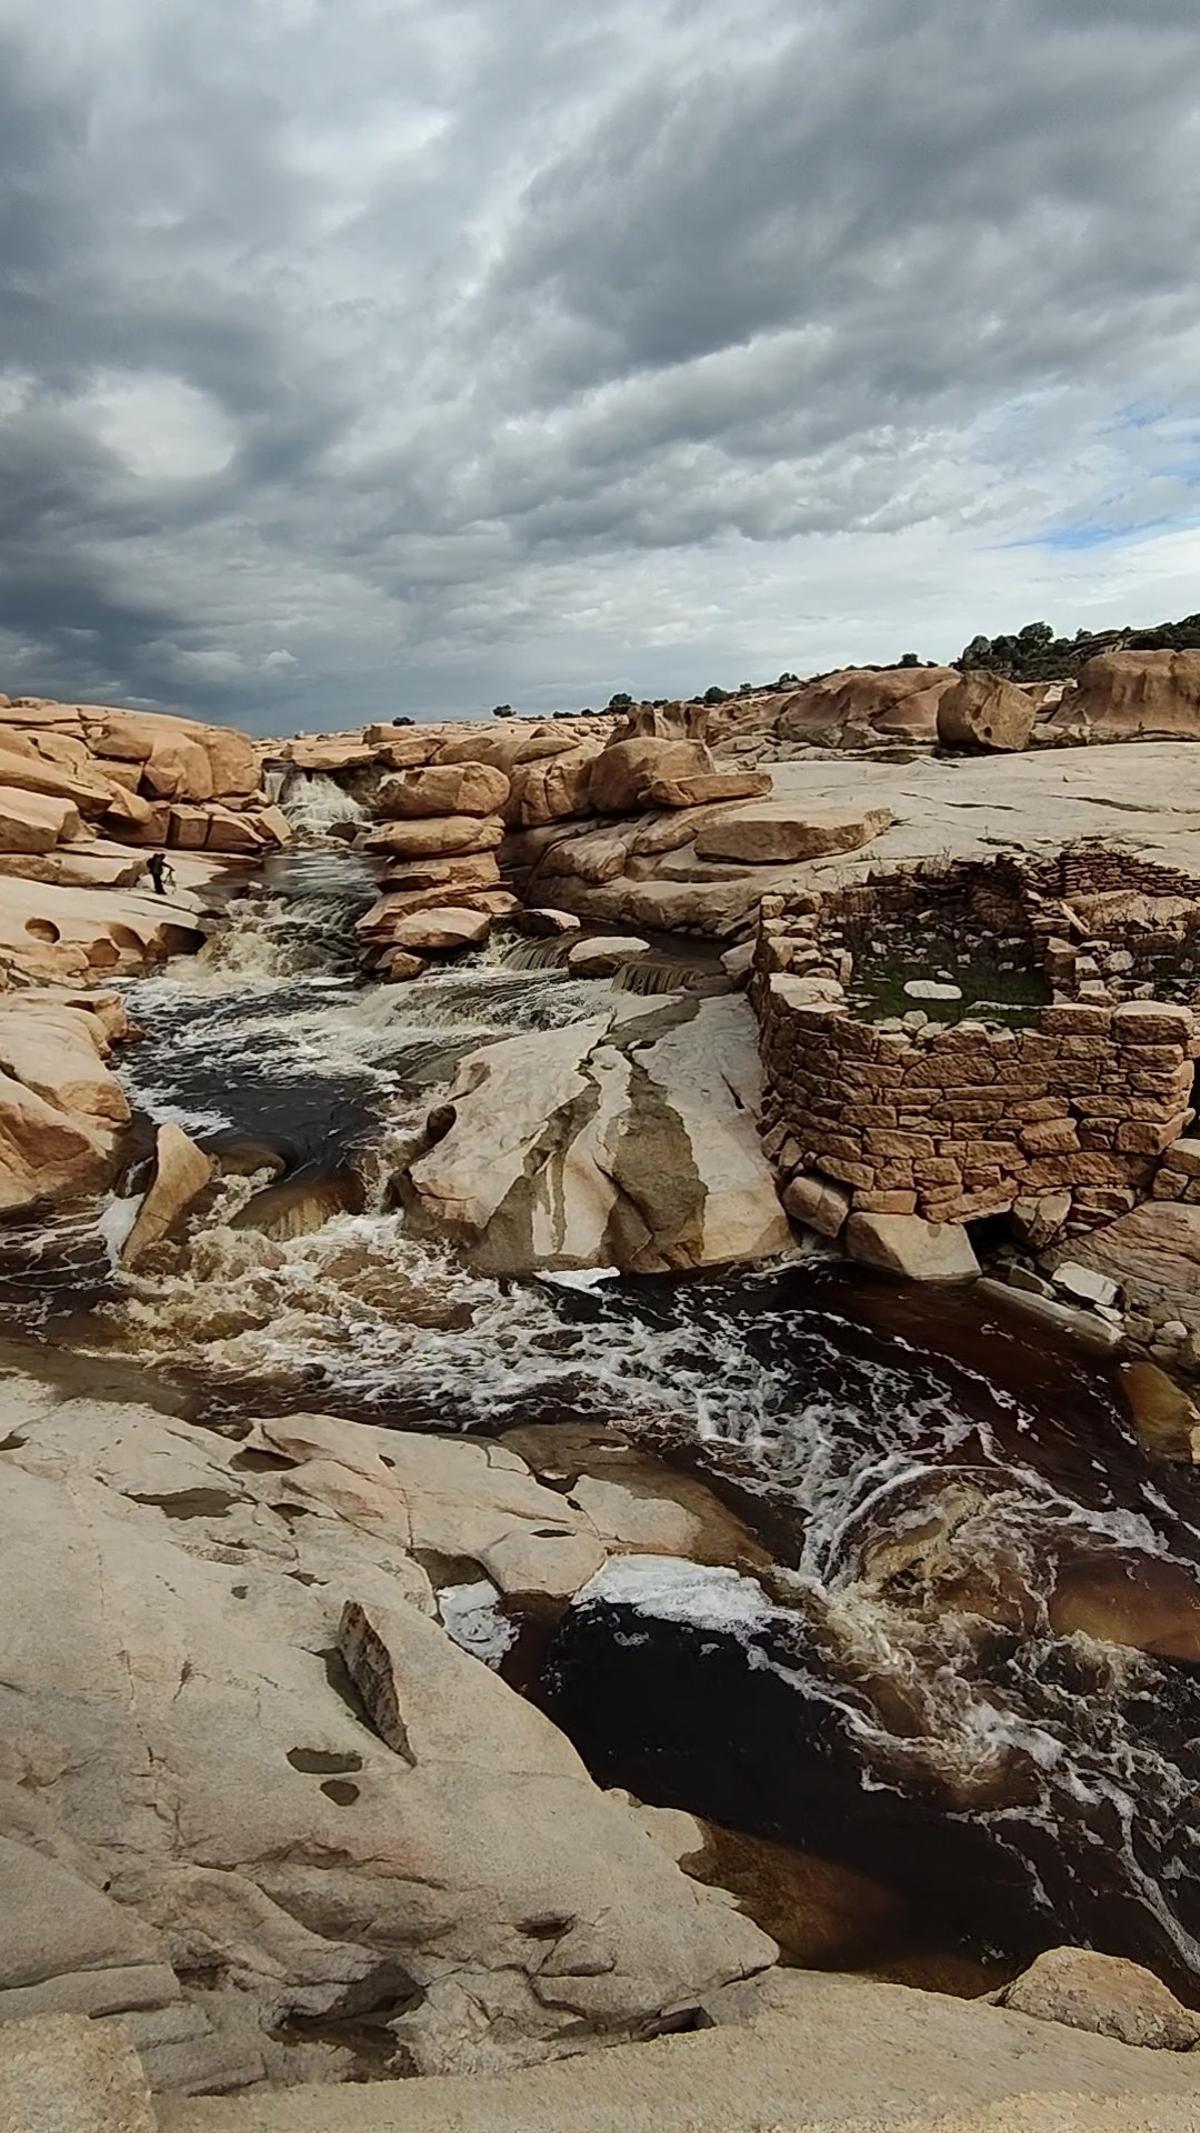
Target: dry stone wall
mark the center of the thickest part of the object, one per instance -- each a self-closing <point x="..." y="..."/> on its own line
<point x="1064" y="1123"/>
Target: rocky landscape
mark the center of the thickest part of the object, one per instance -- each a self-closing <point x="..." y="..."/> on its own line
<point x="497" y="1565"/>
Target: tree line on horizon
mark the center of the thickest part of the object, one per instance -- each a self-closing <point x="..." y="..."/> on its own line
<point x="1033" y="653"/>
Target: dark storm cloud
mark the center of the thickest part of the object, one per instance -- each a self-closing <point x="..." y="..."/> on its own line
<point x="497" y="349"/>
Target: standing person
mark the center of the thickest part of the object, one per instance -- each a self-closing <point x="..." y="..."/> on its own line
<point x="156" y="868"/>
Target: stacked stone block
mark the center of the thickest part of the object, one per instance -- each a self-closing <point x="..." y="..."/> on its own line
<point x="1063" y="1124"/>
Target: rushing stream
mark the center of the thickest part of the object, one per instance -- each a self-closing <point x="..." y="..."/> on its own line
<point x="981" y="1676"/>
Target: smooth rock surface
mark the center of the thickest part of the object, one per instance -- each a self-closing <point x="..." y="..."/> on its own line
<point x="916" y="1250"/>
<point x="258" y="1857"/>
<point x="624" y="1140"/>
<point x="779" y="833"/>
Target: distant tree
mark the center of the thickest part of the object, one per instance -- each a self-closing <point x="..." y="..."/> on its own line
<point x="620" y="702"/>
<point x="715" y="696"/>
<point x="502" y="710"/>
<point x="910" y="659"/>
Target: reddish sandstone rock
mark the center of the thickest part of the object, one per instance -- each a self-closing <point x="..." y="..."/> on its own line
<point x="781" y="832"/>
<point x="35" y="821"/>
<point x="1133" y="696"/>
<point x="553" y="789"/>
<point x="443" y="789"/>
<point x="706" y="786"/>
<point x="858" y="708"/>
<point x="449" y="837"/>
<point x="983" y="711"/>
<point x="622" y="772"/>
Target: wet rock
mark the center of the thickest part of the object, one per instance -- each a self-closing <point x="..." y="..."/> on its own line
<point x="916" y="1250"/>
<point x="181" y="1173"/>
<point x="297" y="1207"/>
<point x="600" y="957"/>
<point x="1104" y="1994"/>
<point x="541" y="924"/>
<point x="779" y="832"/>
<point x="984" y="711"/>
<point x="438" y="931"/>
<point x="818" y="1203"/>
<point x="1163" y="1415"/>
<point x="624" y="1140"/>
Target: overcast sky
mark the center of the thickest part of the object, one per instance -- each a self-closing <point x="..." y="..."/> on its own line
<point x="370" y="356"/>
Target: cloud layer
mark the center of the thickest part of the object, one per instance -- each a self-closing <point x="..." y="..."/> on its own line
<point x="403" y="355"/>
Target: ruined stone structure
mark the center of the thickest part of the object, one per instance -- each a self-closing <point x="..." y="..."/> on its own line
<point x="1063" y="1121"/>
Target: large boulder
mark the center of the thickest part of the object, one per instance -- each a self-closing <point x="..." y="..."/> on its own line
<point x="181" y="1172"/>
<point x="1104" y="1994"/>
<point x="443" y="789"/>
<point x="438" y="930"/>
<point x="622" y="771"/>
<point x="1133" y="696"/>
<point x="447" y="837"/>
<point x="178" y="768"/>
<point x="553" y="789"/>
<point x="611" y="1142"/>
<point x="985" y="712"/>
<point x="781" y="832"/>
<point x="865" y="708"/>
<point x="911" y="1248"/>
<point x="31" y="773"/>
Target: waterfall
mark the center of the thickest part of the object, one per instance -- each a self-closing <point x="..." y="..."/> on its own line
<point x="314" y="803"/>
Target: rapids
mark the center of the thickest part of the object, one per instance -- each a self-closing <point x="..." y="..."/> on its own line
<point x="988" y="1678"/>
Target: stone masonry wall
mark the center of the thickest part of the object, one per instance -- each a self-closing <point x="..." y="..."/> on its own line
<point x="1063" y="1123"/>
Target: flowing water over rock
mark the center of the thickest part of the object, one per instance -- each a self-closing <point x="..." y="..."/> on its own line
<point x="977" y="1669"/>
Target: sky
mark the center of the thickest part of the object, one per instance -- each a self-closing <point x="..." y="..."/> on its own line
<point x="375" y="357"/>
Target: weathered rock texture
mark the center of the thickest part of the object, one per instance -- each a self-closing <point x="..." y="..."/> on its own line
<point x="142" y="777"/>
<point x="983" y="711"/>
<point x="626" y="1140"/>
<point x="62" y="1109"/>
<point x="953" y="1122"/>
<point x="252" y="1796"/>
<point x="1106" y="1995"/>
<point x="1132" y="696"/>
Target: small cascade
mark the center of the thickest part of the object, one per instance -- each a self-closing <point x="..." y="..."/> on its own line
<point x="540" y="955"/>
<point x="649" y="975"/>
<point x="315" y="804"/>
